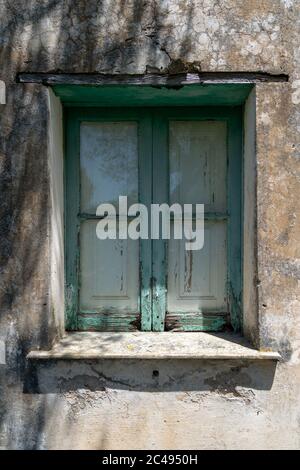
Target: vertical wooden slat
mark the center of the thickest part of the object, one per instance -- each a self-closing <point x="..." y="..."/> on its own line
<point x="145" y="193"/>
<point x="160" y="196"/>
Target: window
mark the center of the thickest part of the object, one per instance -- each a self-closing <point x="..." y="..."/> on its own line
<point x="153" y="155"/>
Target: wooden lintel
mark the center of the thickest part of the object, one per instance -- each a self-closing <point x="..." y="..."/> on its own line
<point x="98" y="79"/>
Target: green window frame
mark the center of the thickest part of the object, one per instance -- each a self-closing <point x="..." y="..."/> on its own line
<point x="153" y="160"/>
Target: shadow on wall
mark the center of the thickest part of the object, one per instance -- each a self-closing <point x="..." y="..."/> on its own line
<point x="73" y="36"/>
<point x="96" y="36"/>
<point x="54" y="35"/>
<point x="224" y="377"/>
<point x="57" y="36"/>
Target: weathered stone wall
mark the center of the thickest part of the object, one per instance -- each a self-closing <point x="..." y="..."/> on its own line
<point x="117" y="405"/>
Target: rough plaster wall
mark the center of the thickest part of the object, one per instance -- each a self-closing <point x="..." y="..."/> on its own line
<point x="278" y="218"/>
<point x="209" y="405"/>
<point x="118" y="36"/>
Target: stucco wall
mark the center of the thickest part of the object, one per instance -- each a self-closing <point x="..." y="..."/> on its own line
<point x="191" y="404"/>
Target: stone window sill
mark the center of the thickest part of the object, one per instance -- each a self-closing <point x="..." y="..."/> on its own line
<point x="142" y="345"/>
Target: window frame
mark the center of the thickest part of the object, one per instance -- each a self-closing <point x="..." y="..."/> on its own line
<point x="153" y="142"/>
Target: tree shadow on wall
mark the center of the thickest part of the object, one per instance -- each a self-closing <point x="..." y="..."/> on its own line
<point x="167" y="375"/>
<point x="72" y="36"/>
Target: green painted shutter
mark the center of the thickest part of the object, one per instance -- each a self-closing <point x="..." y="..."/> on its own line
<point x="184" y="155"/>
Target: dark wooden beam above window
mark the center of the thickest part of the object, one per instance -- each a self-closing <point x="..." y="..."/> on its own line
<point x="164" y="80"/>
<point x="185" y="89"/>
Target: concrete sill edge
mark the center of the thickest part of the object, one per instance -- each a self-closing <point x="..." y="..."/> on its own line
<point x="152" y="345"/>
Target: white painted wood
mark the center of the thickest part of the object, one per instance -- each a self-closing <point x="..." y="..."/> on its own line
<point x="108" y="163"/>
<point x="197" y="279"/>
<point x="198" y="163"/>
<point x="109" y="269"/>
<point x="109" y="273"/>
